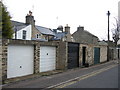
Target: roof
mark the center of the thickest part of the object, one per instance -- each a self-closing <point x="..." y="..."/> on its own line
<point x="90" y="33"/>
<point x="40" y="39"/>
<point x="59" y="35"/>
<point x="103" y="43"/>
<point x="45" y="30"/>
<point x="18" y="25"/>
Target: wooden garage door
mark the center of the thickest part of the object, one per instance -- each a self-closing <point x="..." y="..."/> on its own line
<point x="47" y="58"/>
<point x="73" y="55"/>
<point x="20" y="61"/>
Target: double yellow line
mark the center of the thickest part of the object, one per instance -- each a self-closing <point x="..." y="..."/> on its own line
<point x="75" y="80"/>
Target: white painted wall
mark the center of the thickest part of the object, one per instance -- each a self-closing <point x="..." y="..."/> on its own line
<point x="20" y="60"/>
<point x="28" y="30"/>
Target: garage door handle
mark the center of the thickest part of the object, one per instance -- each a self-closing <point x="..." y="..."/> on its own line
<point x="20" y="66"/>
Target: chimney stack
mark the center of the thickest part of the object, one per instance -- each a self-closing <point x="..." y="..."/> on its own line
<point x="80" y="28"/>
<point x="30" y="19"/>
<point x="67" y="29"/>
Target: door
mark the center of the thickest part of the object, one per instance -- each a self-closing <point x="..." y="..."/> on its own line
<point x="118" y="54"/>
<point x="47" y="58"/>
<point x="84" y="55"/>
<point x="20" y="60"/>
<point x="96" y="55"/>
<point x="73" y="55"/>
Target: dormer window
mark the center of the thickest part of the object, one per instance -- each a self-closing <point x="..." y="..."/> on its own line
<point x="24" y="34"/>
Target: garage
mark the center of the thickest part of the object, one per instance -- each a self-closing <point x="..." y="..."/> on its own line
<point x="47" y="58"/>
<point x="20" y="60"/>
<point x="73" y="55"/>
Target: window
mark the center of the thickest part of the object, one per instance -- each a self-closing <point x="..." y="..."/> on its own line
<point x="37" y="36"/>
<point x="24" y="34"/>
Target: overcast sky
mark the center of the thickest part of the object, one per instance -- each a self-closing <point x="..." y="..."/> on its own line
<point x="51" y="13"/>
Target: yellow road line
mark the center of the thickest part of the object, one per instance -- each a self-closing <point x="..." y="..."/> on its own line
<point x="73" y="81"/>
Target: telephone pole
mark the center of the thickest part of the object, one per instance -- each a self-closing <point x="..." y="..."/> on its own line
<point x="108" y="13"/>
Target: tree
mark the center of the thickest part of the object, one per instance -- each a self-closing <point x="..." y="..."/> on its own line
<point x="6" y="31"/>
<point x="116" y="31"/>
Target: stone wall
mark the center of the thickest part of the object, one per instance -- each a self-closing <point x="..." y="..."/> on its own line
<point x="103" y="53"/>
<point x="0" y="62"/>
<point x="35" y="32"/>
<point x="89" y="54"/>
<point x="113" y="52"/>
<point x="81" y="54"/>
<point x="60" y="54"/>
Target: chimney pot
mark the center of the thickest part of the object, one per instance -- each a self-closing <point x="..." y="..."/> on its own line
<point x="80" y="28"/>
<point x="30" y="19"/>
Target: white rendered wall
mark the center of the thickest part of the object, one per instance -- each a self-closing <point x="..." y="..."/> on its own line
<point x="28" y="30"/>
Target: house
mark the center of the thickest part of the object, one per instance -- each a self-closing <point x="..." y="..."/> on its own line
<point x="30" y="31"/>
<point x="83" y="36"/>
<point x="63" y="35"/>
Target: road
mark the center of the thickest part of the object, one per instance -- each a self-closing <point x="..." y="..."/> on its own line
<point x="98" y="76"/>
<point x="105" y="78"/>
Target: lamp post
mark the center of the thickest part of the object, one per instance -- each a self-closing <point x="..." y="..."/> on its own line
<point x="108" y="13"/>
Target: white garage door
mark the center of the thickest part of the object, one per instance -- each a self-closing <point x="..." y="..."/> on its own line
<point x="20" y="61"/>
<point x="47" y="58"/>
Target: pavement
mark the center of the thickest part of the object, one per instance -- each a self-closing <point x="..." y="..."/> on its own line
<point x="52" y="81"/>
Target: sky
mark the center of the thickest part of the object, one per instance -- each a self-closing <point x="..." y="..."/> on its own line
<point x="92" y="14"/>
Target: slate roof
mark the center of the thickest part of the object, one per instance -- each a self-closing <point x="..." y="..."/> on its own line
<point x="59" y="35"/>
<point x="18" y="25"/>
<point x="40" y="39"/>
<point x="90" y="33"/>
<point x="45" y="30"/>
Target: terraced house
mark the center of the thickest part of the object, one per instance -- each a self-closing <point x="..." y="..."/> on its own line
<point x="30" y="31"/>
